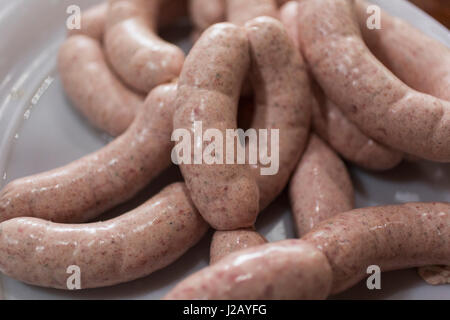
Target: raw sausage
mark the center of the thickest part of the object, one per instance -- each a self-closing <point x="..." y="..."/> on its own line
<point x="283" y="100"/>
<point x="137" y="54"/>
<point x="226" y="195"/>
<point x="320" y="188"/>
<point x="419" y="61"/>
<point x="332" y="126"/>
<point x="291" y="269"/>
<point x="93" y="88"/>
<point x="392" y="237"/>
<point x="131" y="246"/>
<point x="81" y="190"/>
<point x="369" y="94"/>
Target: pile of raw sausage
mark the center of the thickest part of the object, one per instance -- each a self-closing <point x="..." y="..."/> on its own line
<point x="311" y="69"/>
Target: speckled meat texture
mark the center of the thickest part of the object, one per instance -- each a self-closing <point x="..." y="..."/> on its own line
<point x="129" y="247"/>
<point x="137" y="54"/>
<point x="421" y="62"/>
<point x="320" y="188"/>
<point x="93" y="88"/>
<point x="226" y="195"/>
<point x="380" y="104"/>
<point x="330" y="123"/>
<point x="290" y="269"/>
<point x="83" y="189"/>
<point x="93" y="22"/>
<point x="226" y="242"/>
<point x="283" y="100"/>
<point x="391" y="237"/>
<point x="239" y="12"/>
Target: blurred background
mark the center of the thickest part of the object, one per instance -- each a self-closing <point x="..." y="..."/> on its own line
<point x="439" y="9"/>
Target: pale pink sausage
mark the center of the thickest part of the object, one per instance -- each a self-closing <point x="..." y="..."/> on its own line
<point x="226" y="195"/>
<point x="320" y="188"/>
<point x="283" y="100"/>
<point x="93" y="22"/>
<point x="137" y="54"/>
<point x="129" y="247"/>
<point x="239" y="12"/>
<point x="391" y="237"/>
<point x="421" y="62"/>
<point x="226" y="242"/>
<point x="291" y="269"/>
<point x="93" y="88"/>
<point x="369" y="94"/>
<point x="331" y="124"/>
<point x="83" y="189"/>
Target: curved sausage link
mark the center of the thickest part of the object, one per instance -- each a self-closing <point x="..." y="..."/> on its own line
<point x="291" y="269"/>
<point x="320" y="188"/>
<point x="131" y="246"/>
<point x="93" y="88"/>
<point x="421" y="62"/>
<point x="330" y="123"/>
<point x="137" y="54"/>
<point x="369" y="94"/>
<point x="83" y="189"/>
<point x="283" y="100"/>
<point x="208" y="92"/>
<point x="392" y="237"/>
<point x="226" y="242"/>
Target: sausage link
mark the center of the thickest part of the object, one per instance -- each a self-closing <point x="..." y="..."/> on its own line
<point x="226" y="242"/>
<point x="332" y="126"/>
<point x="283" y="100"/>
<point x="137" y="54"/>
<point x="392" y="237"/>
<point x="320" y="188"/>
<point x="131" y="246"/>
<point x="208" y="92"/>
<point x="369" y="94"/>
<point x="83" y="189"/>
<point x="408" y="53"/>
<point x="93" y="88"/>
<point x="291" y="269"/>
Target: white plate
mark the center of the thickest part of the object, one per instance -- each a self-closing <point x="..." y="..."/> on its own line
<point x="39" y="130"/>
